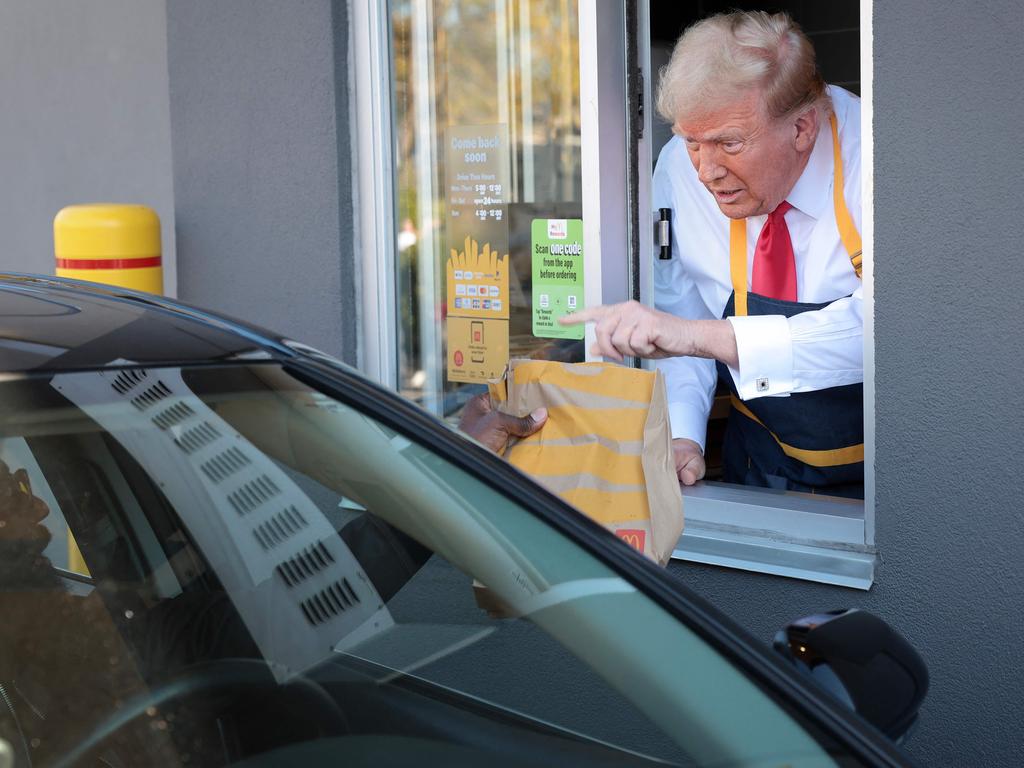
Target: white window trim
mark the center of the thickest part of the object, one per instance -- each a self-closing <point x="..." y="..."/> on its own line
<point x="867" y="164"/>
<point x="603" y="156"/>
<point x="373" y="189"/>
<point x="798" y="535"/>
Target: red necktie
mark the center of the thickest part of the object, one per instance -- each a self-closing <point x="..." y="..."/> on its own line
<point x="774" y="266"/>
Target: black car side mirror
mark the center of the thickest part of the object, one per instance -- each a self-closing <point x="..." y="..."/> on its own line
<point x="863" y="662"/>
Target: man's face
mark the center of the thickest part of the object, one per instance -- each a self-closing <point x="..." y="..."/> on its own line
<point x="748" y="160"/>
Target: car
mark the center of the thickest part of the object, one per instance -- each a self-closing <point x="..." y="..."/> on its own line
<point x="223" y="547"/>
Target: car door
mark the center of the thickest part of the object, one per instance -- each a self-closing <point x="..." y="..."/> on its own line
<point x="297" y="516"/>
<point x="701" y="639"/>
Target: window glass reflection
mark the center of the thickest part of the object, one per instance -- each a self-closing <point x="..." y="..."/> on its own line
<point x="487" y="142"/>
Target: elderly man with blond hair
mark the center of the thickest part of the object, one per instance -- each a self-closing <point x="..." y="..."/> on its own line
<point x="763" y="180"/>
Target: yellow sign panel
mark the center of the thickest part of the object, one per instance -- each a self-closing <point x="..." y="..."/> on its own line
<point x="477" y="349"/>
<point x="477" y="282"/>
<point x="477" y="289"/>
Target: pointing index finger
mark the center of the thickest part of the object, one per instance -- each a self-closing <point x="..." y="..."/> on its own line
<point x="588" y="315"/>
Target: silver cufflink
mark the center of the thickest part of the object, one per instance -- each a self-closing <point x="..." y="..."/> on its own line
<point x="762" y="384"/>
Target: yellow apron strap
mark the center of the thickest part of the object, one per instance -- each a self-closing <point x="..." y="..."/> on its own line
<point x="851" y="454"/>
<point x="848" y="233"/>
<point x="847" y="229"/>
<point x="738" y="263"/>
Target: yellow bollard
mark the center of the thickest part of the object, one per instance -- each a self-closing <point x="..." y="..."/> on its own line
<point x="108" y="243"/>
<point x="112" y="244"/>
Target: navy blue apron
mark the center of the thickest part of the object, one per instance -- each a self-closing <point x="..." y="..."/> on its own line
<point x="814" y="427"/>
<point x="809" y="441"/>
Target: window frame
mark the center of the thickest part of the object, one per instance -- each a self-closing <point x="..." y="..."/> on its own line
<point x="809" y="538"/>
<point x="373" y="189"/>
<point x="820" y="539"/>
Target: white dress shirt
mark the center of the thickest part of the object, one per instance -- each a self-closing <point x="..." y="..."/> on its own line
<point x="777" y="356"/>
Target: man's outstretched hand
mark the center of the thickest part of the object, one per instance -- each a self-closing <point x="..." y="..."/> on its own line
<point x="631" y="329"/>
<point x="494" y="428"/>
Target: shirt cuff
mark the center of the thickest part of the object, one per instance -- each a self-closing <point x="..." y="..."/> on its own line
<point x="764" y="347"/>
<point x="689" y="422"/>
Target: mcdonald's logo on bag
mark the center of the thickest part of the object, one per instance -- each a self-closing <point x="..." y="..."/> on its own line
<point x="635" y="537"/>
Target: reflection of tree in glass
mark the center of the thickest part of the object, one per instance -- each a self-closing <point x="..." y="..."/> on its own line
<point x="488" y="61"/>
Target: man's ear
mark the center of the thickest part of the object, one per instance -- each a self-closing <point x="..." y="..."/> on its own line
<point x="806" y="127"/>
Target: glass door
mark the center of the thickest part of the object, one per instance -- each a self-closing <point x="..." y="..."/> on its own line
<point x="488" y="190"/>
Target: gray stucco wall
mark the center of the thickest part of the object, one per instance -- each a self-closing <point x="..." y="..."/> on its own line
<point x="948" y="286"/>
<point x="257" y="115"/>
<point x="84" y="117"/>
<point x="263" y="233"/>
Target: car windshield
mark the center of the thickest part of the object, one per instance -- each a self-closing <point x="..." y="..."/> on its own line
<point x="223" y="565"/>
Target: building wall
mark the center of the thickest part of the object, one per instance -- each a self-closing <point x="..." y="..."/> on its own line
<point x="262" y="193"/>
<point x="252" y="97"/>
<point x="84" y="117"/>
<point x="950" y="515"/>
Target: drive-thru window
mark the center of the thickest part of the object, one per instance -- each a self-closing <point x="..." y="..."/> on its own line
<point x="518" y="139"/>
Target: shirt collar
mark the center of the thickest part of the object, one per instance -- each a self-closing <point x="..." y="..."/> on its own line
<point x="810" y="193"/>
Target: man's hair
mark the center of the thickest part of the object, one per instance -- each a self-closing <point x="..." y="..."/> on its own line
<point x="723" y="57"/>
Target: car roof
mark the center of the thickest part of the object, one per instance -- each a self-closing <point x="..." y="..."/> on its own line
<point x="54" y="324"/>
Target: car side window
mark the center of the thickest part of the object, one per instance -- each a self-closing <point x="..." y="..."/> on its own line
<point x="452" y="633"/>
<point x="509" y="663"/>
<point x="574" y="654"/>
<point x="247" y="532"/>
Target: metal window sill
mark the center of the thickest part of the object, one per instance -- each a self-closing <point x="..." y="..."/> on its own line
<point x="796" y="535"/>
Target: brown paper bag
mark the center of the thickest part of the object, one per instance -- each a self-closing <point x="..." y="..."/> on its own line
<point x="606" y="447"/>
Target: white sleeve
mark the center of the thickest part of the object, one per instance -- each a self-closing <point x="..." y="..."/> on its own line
<point x="689" y="381"/>
<point x="813" y="350"/>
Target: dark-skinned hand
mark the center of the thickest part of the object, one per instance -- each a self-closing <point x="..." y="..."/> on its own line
<point x="493" y="428"/>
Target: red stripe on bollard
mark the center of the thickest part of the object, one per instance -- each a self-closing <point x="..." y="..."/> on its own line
<point x="147" y="261"/>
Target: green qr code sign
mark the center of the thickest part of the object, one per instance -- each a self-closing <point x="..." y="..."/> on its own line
<point x="556" y="247"/>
